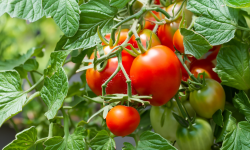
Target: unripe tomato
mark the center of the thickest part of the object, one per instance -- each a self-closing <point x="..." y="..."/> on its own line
<point x="122" y="120"/>
<point x="209" y="99"/>
<point x="206" y="66"/>
<point x="198" y="137"/>
<point x="178" y="41"/>
<point x="118" y="84"/>
<point x="169" y="128"/>
<point x="156" y="72"/>
<point x="145" y="36"/>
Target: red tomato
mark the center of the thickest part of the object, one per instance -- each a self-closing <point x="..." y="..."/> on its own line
<point x="213" y="53"/>
<point x="157" y="2"/>
<point x="148" y="24"/>
<point x="145" y="36"/>
<point x="122" y="120"/>
<point x="206" y="66"/>
<point x="156" y="72"/>
<point x="178" y="41"/>
<point x="118" y="84"/>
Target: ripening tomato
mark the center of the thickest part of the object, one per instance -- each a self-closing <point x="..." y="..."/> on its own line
<point x="198" y="137"/>
<point x="123" y="36"/>
<point x="149" y="19"/>
<point x="156" y="72"/>
<point x="118" y="84"/>
<point x="178" y="41"/>
<point x="209" y="99"/>
<point x="145" y="37"/>
<point x="122" y="120"/>
<point x="169" y="128"/>
<point x="206" y="66"/>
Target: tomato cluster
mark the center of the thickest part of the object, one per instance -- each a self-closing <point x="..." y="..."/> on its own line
<point x="158" y="73"/>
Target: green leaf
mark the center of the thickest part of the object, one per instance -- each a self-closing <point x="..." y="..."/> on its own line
<point x="153" y="141"/>
<point x="102" y="141"/>
<point x="30" y="64"/>
<point x="194" y="43"/>
<point x="229" y="124"/>
<point x="10" y="64"/>
<point x="73" y="142"/>
<point x="65" y="13"/>
<point x="233" y="65"/>
<point x="12" y="97"/>
<point x="242" y="103"/>
<point x="238" y="139"/>
<point x="93" y="14"/>
<point x="25" y="9"/>
<point x="218" y="118"/>
<point x="77" y="100"/>
<point x="237" y="3"/>
<point x="54" y="91"/>
<point x="23" y="73"/>
<point x="61" y="43"/>
<point x="128" y="146"/>
<point x="217" y="22"/>
<point x="119" y="3"/>
<point x="25" y="140"/>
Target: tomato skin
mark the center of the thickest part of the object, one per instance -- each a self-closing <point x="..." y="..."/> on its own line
<point x="122" y="120"/>
<point x="145" y="36"/>
<point x="168" y="130"/>
<point x="148" y="24"/>
<point x="198" y="137"/>
<point x="213" y="53"/>
<point x="204" y="65"/>
<point x="209" y="99"/>
<point x="178" y="41"/>
<point x="118" y="84"/>
<point x="155" y="72"/>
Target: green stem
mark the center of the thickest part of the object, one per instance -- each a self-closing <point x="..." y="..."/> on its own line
<point x="130" y="52"/>
<point x="14" y="125"/>
<point x="35" y="95"/>
<point x="125" y="74"/>
<point x="243" y="28"/>
<point x="34" y="86"/>
<point x="183" y="111"/>
<point x="133" y="49"/>
<point x="66" y="123"/>
<point x="71" y="121"/>
<point x="192" y="23"/>
<point x="36" y="72"/>
<point x="27" y="79"/>
<point x="50" y="130"/>
<point x="73" y="71"/>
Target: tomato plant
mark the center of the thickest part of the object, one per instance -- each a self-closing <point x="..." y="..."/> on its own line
<point x="122" y="120"/>
<point x="99" y="69"/>
<point x="165" y="77"/>
<point x="208" y="99"/>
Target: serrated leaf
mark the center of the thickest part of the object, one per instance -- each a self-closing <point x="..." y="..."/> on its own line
<point x="119" y="3"/>
<point x="217" y="23"/>
<point x="12" y="97"/>
<point x="30" y="64"/>
<point x="54" y="91"/>
<point x="65" y="13"/>
<point x="93" y="14"/>
<point x="128" y="146"/>
<point x="233" y="65"/>
<point x="237" y="3"/>
<point x="25" y="9"/>
<point x="73" y="142"/>
<point x="238" y="139"/>
<point x="229" y="124"/>
<point x="218" y="118"/>
<point x="25" y="140"/>
<point x="194" y="43"/>
<point x="153" y="141"/>
<point x="102" y="141"/>
<point x="242" y="103"/>
<point x="10" y="64"/>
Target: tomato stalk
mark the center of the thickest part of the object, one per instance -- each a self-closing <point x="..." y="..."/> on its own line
<point x="137" y="38"/>
<point x="34" y="86"/>
<point x="66" y="124"/>
<point x="50" y="130"/>
<point x="192" y="23"/>
<point x="14" y="125"/>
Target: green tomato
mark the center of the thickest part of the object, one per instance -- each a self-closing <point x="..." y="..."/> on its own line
<point x="169" y="128"/>
<point x="209" y="99"/>
<point x="198" y="137"/>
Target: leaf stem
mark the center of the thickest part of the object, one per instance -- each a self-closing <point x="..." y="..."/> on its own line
<point x="34" y="86"/>
<point x="27" y="79"/>
<point x="243" y="28"/>
<point x="50" y="130"/>
<point x="14" y="125"/>
<point x="66" y="123"/>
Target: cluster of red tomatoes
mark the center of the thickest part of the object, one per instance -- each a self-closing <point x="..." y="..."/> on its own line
<point x="158" y="72"/>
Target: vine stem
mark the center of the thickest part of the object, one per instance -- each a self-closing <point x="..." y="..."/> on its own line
<point x="51" y="130"/>
<point x="34" y="86"/>
<point x="14" y="125"/>
<point x="243" y="28"/>
<point x="66" y="123"/>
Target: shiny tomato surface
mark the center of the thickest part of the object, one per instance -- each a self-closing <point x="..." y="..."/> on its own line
<point x="156" y="72"/>
<point x="118" y="84"/>
<point x="122" y="120"/>
<point x="178" y="41"/>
